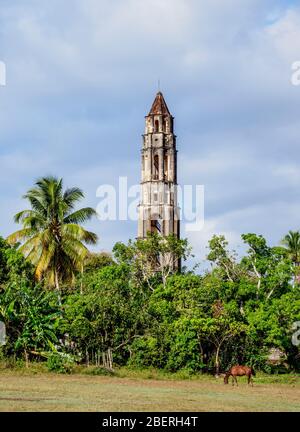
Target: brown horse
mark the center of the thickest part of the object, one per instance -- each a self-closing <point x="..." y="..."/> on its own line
<point x="235" y="371"/>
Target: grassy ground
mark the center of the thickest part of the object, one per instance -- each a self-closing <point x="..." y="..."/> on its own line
<point x="33" y="390"/>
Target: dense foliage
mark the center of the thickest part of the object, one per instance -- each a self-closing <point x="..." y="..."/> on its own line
<point x="125" y="311"/>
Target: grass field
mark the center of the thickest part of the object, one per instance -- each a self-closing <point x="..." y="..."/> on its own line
<point x="79" y="392"/>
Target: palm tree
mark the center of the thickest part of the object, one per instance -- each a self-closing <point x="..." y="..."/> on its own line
<point x="52" y="238"/>
<point x="292" y="243"/>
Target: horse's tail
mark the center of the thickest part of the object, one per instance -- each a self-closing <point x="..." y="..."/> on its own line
<point x="253" y="371"/>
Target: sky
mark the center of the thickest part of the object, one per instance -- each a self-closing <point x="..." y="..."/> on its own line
<point x="82" y="74"/>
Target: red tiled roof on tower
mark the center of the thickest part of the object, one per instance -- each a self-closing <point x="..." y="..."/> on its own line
<point x="159" y="106"/>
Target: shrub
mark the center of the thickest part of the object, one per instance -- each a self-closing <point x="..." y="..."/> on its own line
<point x="99" y="371"/>
<point x="146" y="351"/>
<point x="60" y="362"/>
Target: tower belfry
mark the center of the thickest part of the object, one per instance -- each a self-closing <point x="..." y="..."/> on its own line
<point x="158" y="210"/>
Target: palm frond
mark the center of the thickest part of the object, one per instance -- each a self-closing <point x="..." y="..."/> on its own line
<point x="292" y="243"/>
<point x="79" y="233"/>
<point x="33" y="247"/>
<point x="52" y="238"/>
<point x="80" y="216"/>
<point x="75" y="250"/>
<point x="72" y="196"/>
<point x="20" y="235"/>
<point x="36" y="203"/>
<point x="19" y="217"/>
<point x="44" y="261"/>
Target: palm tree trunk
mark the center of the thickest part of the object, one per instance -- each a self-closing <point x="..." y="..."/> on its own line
<point x="26" y="358"/>
<point x="57" y="287"/>
<point x="217" y="362"/>
<point x="81" y="284"/>
<point x="297" y="275"/>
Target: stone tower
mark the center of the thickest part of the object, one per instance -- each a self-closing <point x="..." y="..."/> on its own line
<point x="158" y="210"/>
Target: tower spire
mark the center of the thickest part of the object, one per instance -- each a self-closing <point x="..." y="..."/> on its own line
<point x="159" y="106"/>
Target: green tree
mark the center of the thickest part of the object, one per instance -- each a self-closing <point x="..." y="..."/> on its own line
<point x="52" y="238"/>
<point x="104" y="320"/>
<point x="292" y="243"/>
<point x="222" y="258"/>
<point x="268" y="267"/>
<point x="271" y="325"/>
<point x="31" y="317"/>
<point x="95" y="261"/>
<point x="219" y="330"/>
<point x="154" y="258"/>
<point x="176" y="312"/>
<point x="12" y="263"/>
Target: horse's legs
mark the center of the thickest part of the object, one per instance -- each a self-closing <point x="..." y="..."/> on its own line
<point x="236" y="381"/>
<point x="250" y="379"/>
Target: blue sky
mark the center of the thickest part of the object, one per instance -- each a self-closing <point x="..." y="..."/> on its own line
<point x="81" y="75"/>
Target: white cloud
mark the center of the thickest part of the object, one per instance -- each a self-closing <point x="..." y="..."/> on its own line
<point x="81" y="76"/>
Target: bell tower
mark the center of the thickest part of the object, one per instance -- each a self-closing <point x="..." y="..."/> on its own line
<point x="158" y="210"/>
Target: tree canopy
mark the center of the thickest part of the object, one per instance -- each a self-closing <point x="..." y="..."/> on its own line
<point x="136" y="306"/>
<point x="52" y="238"/>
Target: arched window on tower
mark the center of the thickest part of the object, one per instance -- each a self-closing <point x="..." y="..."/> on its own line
<point x="155" y="226"/>
<point x="156" y="167"/>
<point x="166" y="125"/>
<point x="156" y="126"/>
<point x="166" y="167"/>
